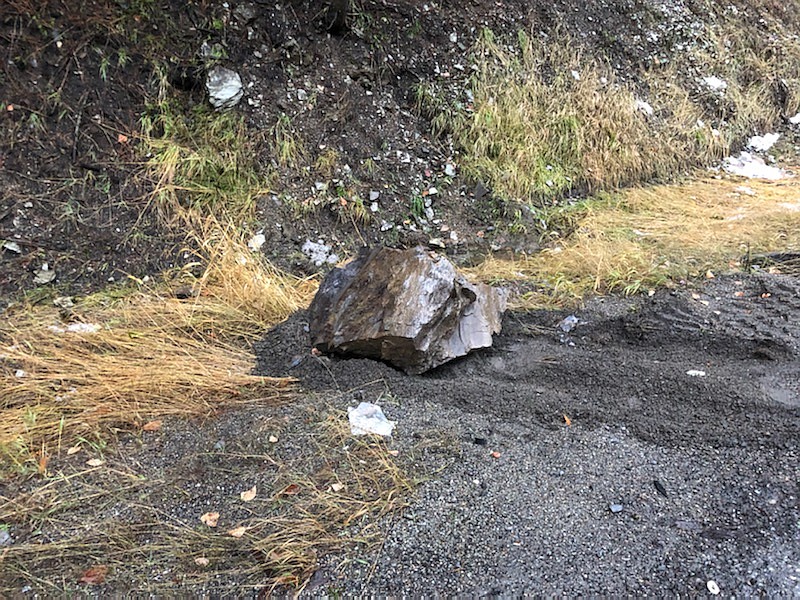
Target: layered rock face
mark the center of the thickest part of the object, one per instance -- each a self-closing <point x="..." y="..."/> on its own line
<point x="409" y="308"/>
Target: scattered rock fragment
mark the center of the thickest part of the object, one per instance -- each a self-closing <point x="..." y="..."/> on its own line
<point x="319" y="253"/>
<point x="409" y="308"/>
<point x="44" y="275"/>
<point x="224" y="87"/>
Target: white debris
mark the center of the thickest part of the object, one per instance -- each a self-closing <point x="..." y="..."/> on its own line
<point x="743" y="189"/>
<point x="751" y="166"/>
<point x="76" y="328"/>
<point x="762" y="143"/>
<point x="569" y="323"/>
<point x="713" y="588"/>
<point x="644" y="107"/>
<point x="256" y="242"/>
<point x="450" y="170"/>
<point x="575" y="75"/>
<point x="695" y="373"/>
<point x="12" y="246"/>
<point x="795" y="120"/>
<point x="20" y="373"/>
<point x="319" y="254"/>
<point x="374" y="207"/>
<point x="369" y="418"/>
<point x="715" y="83"/>
<point x="454" y="37"/>
<point x="83" y="328"/>
<point x="224" y="87"/>
<point x="44" y="275"/>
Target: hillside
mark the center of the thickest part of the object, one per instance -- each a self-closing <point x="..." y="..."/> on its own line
<point x="157" y="256"/>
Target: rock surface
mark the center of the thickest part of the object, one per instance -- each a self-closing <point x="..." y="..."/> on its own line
<point x="224" y="87"/>
<point x="409" y="308"/>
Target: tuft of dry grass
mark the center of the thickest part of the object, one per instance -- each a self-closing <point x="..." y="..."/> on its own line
<point x="645" y="237"/>
<point x="328" y="497"/>
<point x="117" y="363"/>
<point x="549" y="119"/>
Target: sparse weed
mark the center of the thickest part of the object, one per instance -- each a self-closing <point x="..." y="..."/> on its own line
<point x="202" y="161"/>
<point x="288" y="145"/>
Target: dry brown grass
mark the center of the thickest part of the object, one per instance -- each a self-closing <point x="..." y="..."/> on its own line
<point x="645" y="237"/>
<point x="151" y="355"/>
<point x="341" y="486"/>
<point x="548" y="118"/>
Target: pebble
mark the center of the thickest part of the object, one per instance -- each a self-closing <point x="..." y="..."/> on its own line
<point x="615" y="508"/>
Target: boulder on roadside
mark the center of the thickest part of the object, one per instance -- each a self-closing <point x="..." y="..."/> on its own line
<point x="409" y="308"/>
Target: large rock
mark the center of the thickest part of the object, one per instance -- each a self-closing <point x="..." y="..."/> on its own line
<point x="409" y="308"/>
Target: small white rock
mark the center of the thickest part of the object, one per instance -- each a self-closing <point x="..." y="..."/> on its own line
<point x="644" y="107"/>
<point x="224" y="87"/>
<point x="695" y="373"/>
<point x="715" y="83"/>
<point x="256" y="242"/>
<point x="713" y="587"/>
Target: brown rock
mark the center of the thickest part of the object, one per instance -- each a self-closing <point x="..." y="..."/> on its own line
<point x="409" y="308"/>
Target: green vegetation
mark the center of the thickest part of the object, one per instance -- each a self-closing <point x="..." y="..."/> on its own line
<point x="203" y="161"/>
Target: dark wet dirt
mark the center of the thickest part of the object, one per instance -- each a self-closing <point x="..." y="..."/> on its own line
<point x="536" y="518"/>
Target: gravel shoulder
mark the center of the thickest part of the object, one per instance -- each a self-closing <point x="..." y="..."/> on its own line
<point x="576" y="509"/>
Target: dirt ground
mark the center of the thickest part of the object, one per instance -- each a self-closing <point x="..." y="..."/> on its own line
<point x="539" y="517"/>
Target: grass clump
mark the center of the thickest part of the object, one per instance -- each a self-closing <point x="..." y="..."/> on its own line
<point x="548" y="119"/>
<point x="201" y="161"/>
<point x="109" y="363"/>
<point x="646" y="237"/>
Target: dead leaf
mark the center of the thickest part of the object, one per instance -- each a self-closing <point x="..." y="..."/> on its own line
<point x="738" y="294"/>
<point x="337" y="487"/>
<point x="210" y="518"/>
<point x="496" y="454"/>
<point x="766" y="295"/>
<point x="567" y="420"/>
<point x="95" y="462"/>
<point x="43" y="464"/>
<point x="73" y="450"/>
<point x="291" y="490"/>
<point x="95" y="575"/>
<point x="122" y="138"/>
<point x="393" y="452"/>
<point x="152" y="426"/>
<point x="201" y="561"/>
<point x="248" y="495"/>
<point x="237" y="532"/>
<point x="710" y="275"/>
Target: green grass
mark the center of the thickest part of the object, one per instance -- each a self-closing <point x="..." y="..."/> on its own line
<point x="549" y="119"/>
<point x="201" y="161"/>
